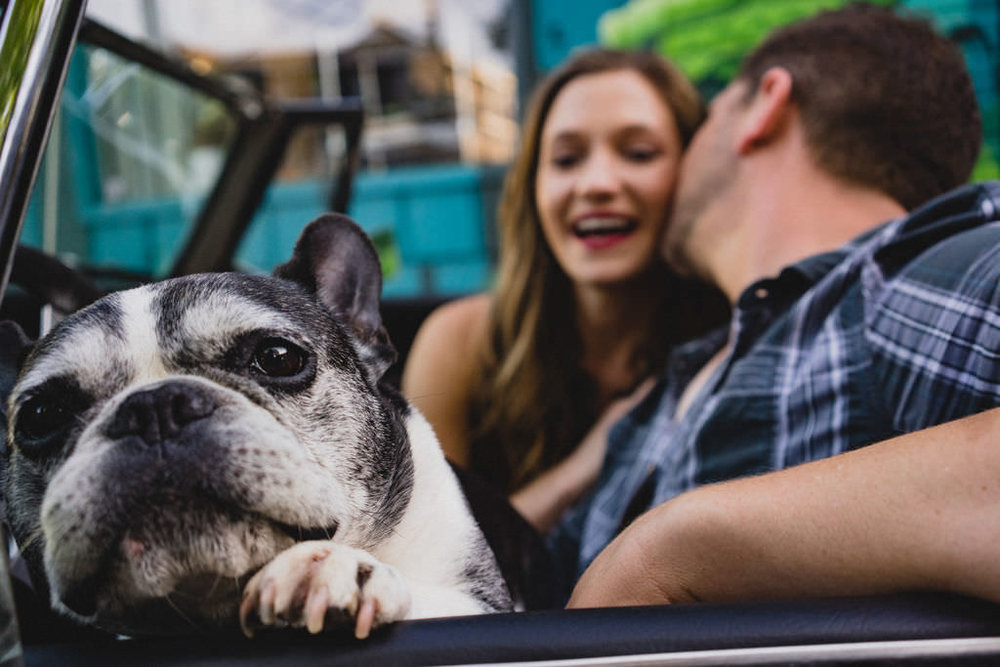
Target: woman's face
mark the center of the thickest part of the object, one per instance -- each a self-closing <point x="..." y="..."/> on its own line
<point x="608" y="157"/>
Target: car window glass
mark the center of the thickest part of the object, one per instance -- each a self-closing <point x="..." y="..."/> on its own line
<point x="130" y="160"/>
<point x="300" y="190"/>
<point x="437" y="84"/>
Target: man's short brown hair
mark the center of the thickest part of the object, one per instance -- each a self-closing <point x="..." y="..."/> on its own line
<point x="885" y="101"/>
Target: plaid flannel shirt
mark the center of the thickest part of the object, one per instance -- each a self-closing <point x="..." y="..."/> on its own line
<point x="896" y="331"/>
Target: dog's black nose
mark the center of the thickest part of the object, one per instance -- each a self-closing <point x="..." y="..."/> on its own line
<point x="161" y="413"/>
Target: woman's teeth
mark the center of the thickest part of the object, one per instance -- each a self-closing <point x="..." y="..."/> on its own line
<point x="599" y="226"/>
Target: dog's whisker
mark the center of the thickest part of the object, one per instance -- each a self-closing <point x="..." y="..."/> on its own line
<point x="215" y="585"/>
<point x="387" y="529"/>
<point x="433" y="394"/>
<point x="180" y="613"/>
<point x="36" y="536"/>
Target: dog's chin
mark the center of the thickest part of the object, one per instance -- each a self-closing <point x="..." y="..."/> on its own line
<point x="200" y="604"/>
<point x="173" y="581"/>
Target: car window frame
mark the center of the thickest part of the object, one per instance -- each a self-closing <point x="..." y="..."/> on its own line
<point x="51" y="29"/>
<point x="264" y="128"/>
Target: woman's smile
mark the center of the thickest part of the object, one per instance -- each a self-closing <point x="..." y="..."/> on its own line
<point x="603" y="230"/>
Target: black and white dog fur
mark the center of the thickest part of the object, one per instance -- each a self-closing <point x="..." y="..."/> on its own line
<point x="219" y="447"/>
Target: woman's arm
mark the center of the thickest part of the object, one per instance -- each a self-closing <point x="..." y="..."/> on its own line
<point x="439" y="377"/>
<point x="544" y="500"/>
<point x="441" y="370"/>
<point x="918" y="512"/>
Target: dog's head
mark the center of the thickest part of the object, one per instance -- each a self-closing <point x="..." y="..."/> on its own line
<point x="167" y="441"/>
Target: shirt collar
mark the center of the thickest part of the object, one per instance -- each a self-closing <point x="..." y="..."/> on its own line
<point x="963" y="207"/>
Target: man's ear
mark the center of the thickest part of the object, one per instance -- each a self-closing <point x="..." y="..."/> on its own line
<point x="768" y="112"/>
<point x="335" y="259"/>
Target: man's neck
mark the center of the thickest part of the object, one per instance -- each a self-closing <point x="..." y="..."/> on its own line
<point x="785" y="220"/>
<point x="789" y="221"/>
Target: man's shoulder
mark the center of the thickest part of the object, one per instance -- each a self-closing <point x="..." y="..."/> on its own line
<point x="937" y="285"/>
<point x="975" y="200"/>
<point x="955" y="279"/>
<point x="963" y="250"/>
<point x="966" y="258"/>
<point x="947" y="239"/>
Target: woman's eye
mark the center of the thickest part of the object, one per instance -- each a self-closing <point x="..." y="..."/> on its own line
<point x="641" y="153"/>
<point x="278" y="358"/>
<point x="565" y="160"/>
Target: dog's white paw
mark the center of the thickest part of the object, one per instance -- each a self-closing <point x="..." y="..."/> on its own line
<point x="313" y="581"/>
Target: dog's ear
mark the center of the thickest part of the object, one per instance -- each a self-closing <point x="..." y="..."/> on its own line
<point x="335" y="259"/>
<point x="14" y="349"/>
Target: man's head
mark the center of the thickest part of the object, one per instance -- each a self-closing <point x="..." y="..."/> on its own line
<point x="883" y="103"/>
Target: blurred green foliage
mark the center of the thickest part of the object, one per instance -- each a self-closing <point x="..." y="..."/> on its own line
<point x="387" y="248"/>
<point x="707" y="39"/>
<point x="22" y="25"/>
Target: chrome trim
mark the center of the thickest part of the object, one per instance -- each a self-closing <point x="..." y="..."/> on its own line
<point x="817" y="654"/>
<point x="23" y="140"/>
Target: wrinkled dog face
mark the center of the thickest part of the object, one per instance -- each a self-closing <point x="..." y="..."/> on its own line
<point x="170" y="440"/>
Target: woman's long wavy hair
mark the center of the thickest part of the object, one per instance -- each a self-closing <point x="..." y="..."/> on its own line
<point x="534" y="401"/>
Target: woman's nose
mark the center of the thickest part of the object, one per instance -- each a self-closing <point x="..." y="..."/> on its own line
<point x="599" y="176"/>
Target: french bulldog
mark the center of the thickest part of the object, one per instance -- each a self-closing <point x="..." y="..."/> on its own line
<point x="220" y="449"/>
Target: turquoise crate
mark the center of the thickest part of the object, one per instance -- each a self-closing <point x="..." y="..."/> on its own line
<point x="434" y="226"/>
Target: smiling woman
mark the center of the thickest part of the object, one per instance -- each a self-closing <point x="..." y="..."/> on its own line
<point x="521" y="384"/>
<point x="608" y="158"/>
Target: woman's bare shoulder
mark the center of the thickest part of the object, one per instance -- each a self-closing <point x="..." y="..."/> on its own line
<point x="441" y="369"/>
<point x="449" y="340"/>
<point x="459" y="319"/>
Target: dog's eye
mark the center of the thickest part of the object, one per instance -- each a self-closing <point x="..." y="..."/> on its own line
<point x="46" y="413"/>
<point x="41" y="418"/>
<point x="278" y="358"/>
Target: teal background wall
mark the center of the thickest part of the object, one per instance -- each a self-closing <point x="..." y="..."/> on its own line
<point x="434" y="226"/>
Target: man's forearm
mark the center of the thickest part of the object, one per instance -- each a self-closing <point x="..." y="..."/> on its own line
<point x="921" y="511"/>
